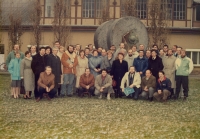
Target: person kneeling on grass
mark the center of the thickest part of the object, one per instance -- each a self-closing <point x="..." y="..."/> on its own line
<point x="163" y="87"/>
<point x="86" y="83"/>
<point x="148" y="85"/>
<point x="46" y="84"/>
<point x="132" y="79"/>
<point x="103" y="84"/>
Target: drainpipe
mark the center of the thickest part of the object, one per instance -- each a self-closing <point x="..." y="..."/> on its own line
<point x="191" y="16"/>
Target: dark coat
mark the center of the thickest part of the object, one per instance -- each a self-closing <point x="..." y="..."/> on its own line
<point x="155" y="66"/>
<point x="164" y="85"/>
<point x="55" y="64"/>
<point x="38" y="64"/>
<point x="118" y="70"/>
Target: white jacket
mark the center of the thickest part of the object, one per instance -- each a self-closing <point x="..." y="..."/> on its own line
<point x="136" y="81"/>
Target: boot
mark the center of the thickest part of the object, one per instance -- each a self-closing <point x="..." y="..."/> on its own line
<point x="150" y="99"/>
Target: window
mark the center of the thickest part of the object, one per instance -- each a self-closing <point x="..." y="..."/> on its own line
<point x="194" y="54"/>
<point x="93" y="8"/>
<point x="141" y="9"/>
<point x="175" y="9"/>
<point x="197" y="13"/>
<point x="49" y="7"/>
<point x="179" y="9"/>
<point x="137" y="8"/>
<point x="166" y="6"/>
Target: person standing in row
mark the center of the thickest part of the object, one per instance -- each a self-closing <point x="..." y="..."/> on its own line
<point x="119" y="68"/>
<point x="107" y="61"/>
<point x="27" y="74"/>
<point x="95" y="63"/>
<point x="33" y="50"/>
<point x="54" y="62"/>
<point x="141" y="63"/>
<point x="11" y="55"/>
<point x="38" y="65"/>
<point x="81" y="66"/>
<point x="129" y="58"/>
<point x="155" y="64"/>
<point x="69" y="62"/>
<point x="169" y="68"/>
<point x="14" y="70"/>
<point x="184" y="67"/>
<point x="60" y="53"/>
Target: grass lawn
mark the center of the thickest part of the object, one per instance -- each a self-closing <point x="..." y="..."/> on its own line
<point x="88" y="118"/>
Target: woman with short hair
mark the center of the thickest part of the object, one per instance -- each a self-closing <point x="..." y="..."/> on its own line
<point x="27" y="74"/>
<point x="14" y="70"/>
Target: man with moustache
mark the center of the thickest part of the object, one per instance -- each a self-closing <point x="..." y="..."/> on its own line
<point x="69" y="62"/>
<point x="129" y="58"/>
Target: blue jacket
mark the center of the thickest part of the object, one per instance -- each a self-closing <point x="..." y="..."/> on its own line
<point x="164" y="85"/>
<point x="14" y="69"/>
<point x="140" y="64"/>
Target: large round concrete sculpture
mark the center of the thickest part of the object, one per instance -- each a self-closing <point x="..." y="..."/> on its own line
<point x="129" y="30"/>
<point x="100" y="36"/>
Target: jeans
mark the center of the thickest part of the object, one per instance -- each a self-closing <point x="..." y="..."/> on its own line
<point x="43" y="90"/>
<point x="67" y="84"/>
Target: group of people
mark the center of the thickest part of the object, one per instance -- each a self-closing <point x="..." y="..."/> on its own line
<point x="51" y="71"/>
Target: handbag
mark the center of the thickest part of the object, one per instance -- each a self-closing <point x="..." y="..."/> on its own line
<point x="22" y="88"/>
<point x="114" y="83"/>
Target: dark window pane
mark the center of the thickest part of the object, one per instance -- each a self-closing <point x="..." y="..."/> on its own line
<point x="194" y="57"/>
<point x="188" y="53"/>
<point x="198" y="13"/>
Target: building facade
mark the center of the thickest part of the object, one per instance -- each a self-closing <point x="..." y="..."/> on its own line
<point x="85" y="17"/>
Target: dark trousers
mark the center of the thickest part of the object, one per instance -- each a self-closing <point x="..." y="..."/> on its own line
<point x="42" y="90"/>
<point x="182" y="80"/>
<point x="36" y="93"/>
<point x="136" y="93"/>
<point x="82" y="90"/>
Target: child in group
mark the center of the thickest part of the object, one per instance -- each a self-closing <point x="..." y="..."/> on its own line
<point x="14" y="70"/>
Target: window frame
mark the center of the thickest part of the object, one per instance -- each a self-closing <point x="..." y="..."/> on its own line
<point x="95" y="11"/>
<point x="138" y="3"/>
<point x="191" y="55"/>
<point x="52" y="8"/>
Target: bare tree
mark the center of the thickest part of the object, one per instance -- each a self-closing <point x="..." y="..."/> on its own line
<point x="129" y="8"/>
<point x="61" y="26"/>
<point x="35" y="18"/>
<point x="159" y="17"/>
<point x="15" y="29"/>
<point x="105" y="15"/>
